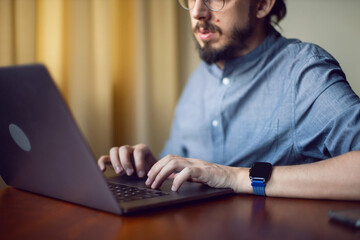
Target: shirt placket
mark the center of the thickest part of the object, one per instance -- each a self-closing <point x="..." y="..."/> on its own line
<point x="216" y="120"/>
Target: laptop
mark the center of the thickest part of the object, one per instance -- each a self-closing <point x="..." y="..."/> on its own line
<point x="42" y="151"/>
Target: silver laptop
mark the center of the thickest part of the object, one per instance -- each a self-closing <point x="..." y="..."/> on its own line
<point x="42" y="151"/>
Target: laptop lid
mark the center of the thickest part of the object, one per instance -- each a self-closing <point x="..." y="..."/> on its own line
<point x="43" y="151"/>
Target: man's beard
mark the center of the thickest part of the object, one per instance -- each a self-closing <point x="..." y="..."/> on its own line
<point x="237" y="42"/>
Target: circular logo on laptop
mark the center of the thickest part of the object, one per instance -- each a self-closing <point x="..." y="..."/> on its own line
<point x="19" y="137"/>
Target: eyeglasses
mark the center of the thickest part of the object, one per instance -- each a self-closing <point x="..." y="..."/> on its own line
<point x="213" y="5"/>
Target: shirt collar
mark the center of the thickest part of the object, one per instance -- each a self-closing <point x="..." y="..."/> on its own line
<point x="253" y="55"/>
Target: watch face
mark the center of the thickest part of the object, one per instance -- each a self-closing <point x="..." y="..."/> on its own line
<point x="261" y="170"/>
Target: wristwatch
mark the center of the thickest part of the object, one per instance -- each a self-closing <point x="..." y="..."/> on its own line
<point x="259" y="174"/>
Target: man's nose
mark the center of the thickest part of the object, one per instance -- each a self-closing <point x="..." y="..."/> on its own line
<point x="200" y="11"/>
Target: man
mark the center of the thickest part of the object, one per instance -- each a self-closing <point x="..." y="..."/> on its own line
<point x="257" y="97"/>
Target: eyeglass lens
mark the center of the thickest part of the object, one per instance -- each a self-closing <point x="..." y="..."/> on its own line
<point x="214" y="5"/>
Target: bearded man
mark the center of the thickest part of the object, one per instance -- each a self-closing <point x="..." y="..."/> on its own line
<point x="278" y="107"/>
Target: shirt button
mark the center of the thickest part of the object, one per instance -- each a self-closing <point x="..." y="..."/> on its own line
<point x="215" y="123"/>
<point x="226" y="81"/>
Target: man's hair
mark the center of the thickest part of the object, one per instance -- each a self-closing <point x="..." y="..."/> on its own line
<point x="276" y="14"/>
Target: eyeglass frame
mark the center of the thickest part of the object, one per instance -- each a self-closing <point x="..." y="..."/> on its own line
<point x="204" y="1"/>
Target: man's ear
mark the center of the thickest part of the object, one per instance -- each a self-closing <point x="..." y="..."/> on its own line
<point x="264" y="7"/>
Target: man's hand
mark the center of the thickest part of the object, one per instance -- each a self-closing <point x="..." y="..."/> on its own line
<point x="129" y="159"/>
<point x="212" y="174"/>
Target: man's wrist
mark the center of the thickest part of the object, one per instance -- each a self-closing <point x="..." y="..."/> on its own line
<point x="242" y="182"/>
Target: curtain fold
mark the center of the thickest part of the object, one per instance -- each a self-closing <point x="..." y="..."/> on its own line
<point x="163" y="68"/>
<point x="115" y="62"/>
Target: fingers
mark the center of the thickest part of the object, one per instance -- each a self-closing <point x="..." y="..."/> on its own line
<point x="129" y="159"/>
<point x="160" y="173"/>
<point x="139" y="159"/>
<point x="125" y="153"/>
<point x="166" y="168"/>
<point x="180" y="178"/>
<point x="103" y="160"/>
<point x="115" y="160"/>
<point x="183" y="169"/>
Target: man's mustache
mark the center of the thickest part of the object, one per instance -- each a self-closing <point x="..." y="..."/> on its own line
<point x="207" y="26"/>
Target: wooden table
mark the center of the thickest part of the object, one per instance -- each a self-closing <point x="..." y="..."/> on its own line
<point x="28" y="216"/>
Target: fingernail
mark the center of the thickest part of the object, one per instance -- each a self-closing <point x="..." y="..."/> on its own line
<point x="154" y="184"/>
<point x="102" y="168"/>
<point x="117" y="169"/>
<point x="147" y="181"/>
<point x="129" y="171"/>
<point x="173" y="188"/>
<point x="141" y="174"/>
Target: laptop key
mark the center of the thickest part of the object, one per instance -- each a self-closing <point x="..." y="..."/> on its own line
<point x="130" y="193"/>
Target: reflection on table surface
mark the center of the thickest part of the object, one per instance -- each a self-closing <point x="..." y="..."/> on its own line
<point x="28" y="216"/>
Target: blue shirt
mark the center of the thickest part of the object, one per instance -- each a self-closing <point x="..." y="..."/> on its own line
<point x="286" y="102"/>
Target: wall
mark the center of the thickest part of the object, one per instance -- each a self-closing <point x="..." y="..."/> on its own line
<point x="333" y="25"/>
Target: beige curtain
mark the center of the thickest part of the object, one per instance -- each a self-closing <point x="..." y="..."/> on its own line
<point x="116" y="62"/>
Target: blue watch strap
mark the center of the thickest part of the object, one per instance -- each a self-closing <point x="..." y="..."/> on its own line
<point x="258" y="187"/>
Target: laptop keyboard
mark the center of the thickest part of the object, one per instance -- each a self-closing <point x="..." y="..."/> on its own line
<point x="130" y="193"/>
